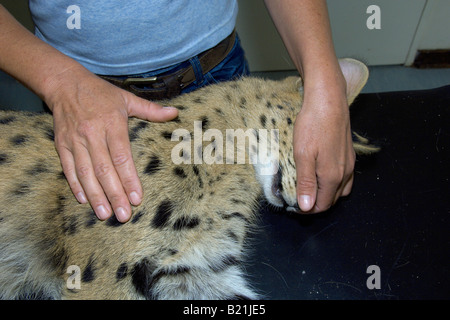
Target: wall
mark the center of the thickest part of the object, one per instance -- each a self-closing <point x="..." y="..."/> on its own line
<point x="391" y="44"/>
<point x="406" y="26"/>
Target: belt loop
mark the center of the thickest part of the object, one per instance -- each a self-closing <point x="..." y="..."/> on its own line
<point x="198" y="71"/>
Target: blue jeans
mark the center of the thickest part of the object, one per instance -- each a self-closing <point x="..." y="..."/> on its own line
<point x="232" y="67"/>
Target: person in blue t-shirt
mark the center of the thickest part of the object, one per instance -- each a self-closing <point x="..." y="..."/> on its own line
<point x="74" y="44"/>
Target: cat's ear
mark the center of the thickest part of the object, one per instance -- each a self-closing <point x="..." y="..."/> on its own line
<point x="356" y="75"/>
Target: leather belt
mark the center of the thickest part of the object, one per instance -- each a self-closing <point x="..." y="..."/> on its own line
<point x="169" y="85"/>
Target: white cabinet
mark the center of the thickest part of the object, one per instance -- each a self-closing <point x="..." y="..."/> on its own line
<point x="405" y="27"/>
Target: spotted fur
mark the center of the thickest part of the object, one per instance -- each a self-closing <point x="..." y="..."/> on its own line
<point x="188" y="237"/>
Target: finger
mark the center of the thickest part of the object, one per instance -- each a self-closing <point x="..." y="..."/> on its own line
<point x="68" y="166"/>
<point x="306" y="182"/>
<point x="347" y="187"/>
<point x="344" y="188"/>
<point x="91" y="186"/>
<point x="120" y="150"/>
<point x="347" y="183"/>
<point x="108" y="180"/>
<point x="148" y="110"/>
<point x="326" y="193"/>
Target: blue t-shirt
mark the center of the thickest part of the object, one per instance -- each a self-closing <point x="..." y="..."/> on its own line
<point x="116" y="37"/>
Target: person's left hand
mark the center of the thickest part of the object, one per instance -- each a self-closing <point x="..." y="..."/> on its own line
<point x="323" y="150"/>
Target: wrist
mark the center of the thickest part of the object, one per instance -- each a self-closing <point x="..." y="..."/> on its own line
<point x="330" y="90"/>
<point x="323" y="74"/>
<point x="63" y="81"/>
<point x="325" y="93"/>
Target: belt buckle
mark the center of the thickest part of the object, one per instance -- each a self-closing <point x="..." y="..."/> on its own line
<point x="139" y="81"/>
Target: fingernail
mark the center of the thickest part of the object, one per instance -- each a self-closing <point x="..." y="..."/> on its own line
<point x="81" y="197"/>
<point x="121" y="214"/>
<point x="102" y="213"/>
<point x="134" y="198"/>
<point x="169" y="108"/>
<point x="304" y="202"/>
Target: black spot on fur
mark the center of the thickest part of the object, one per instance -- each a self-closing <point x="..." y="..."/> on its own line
<point x="198" y="100"/>
<point x="263" y="120"/>
<point x="227" y="216"/>
<point x="176" y="119"/>
<point x="3" y="158"/>
<point x="166" y="135"/>
<point x="280" y="107"/>
<point x="61" y="175"/>
<point x="186" y="223"/>
<point x="142" y="277"/>
<point x="205" y="122"/>
<point x="256" y="132"/>
<point x="89" y="271"/>
<point x="113" y="222"/>
<point x="70" y="225"/>
<point x="289" y="121"/>
<point x="21" y="189"/>
<point x="91" y="218"/>
<point x="163" y="214"/>
<point x="218" y="111"/>
<point x="153" y="166"/>
<point x="61" y="204"/>
<point x="197" y="173"/>
<point x="122" y="271"/>
<point x="180" y="107"/>
<point x="274" y="122"/>
<point x="179" y="172"/>
<point x="49" y="133"/>
<point x="134" y="132"/>
<point x="269" y="105"/>
<point x="7" y="120"/>
<point x="18" y="139"/>
<point x="137" y="216"/>
<point x="40" y="167"/>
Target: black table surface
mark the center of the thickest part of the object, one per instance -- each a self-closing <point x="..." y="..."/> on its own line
<point x="396" y="218"/>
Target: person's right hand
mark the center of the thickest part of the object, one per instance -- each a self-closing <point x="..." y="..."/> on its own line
<point x="91" y="137"/>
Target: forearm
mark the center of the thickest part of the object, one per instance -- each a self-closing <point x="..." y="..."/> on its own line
<point x="305" y="29"/>
<point x="29" y="59"/>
